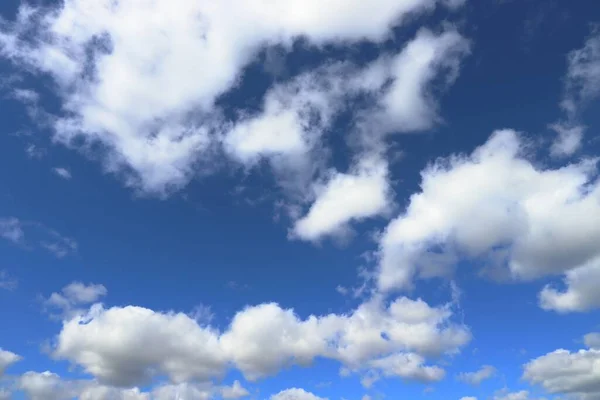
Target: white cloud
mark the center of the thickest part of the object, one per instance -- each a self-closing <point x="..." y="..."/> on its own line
<point x="408" y="366"/>
<point x="565" y="372"/>
<point x="50" y="386"/>
<point x="475" y="378"/>
<point x="409" y="105"/>
<point x="11" y="229"/>
<point x="62" y="172"/>
<point x="296" y="394"/>
<point x="74" y="296"/>
<point x="7" y="282"/>
<point x="45" y="386"/>
<point x="128" y="345"/>
<point x="26" y="95"/>
<point x="236" y="391"/>
<point x="592" y="340"/>
<point x="468" y="398"/>
<point x="7" y="358"/>
<point x="15" y="230"/>
<point x="363" y="193"/>
<point x="125" y="346"/>
<point x="583" y="75"/>
<point x="498" y="207"/>
<point x="581" y="293"/>
<point x="568" y="141"/>
<point x="505" y="395"/>
<point x="177" y="61"/>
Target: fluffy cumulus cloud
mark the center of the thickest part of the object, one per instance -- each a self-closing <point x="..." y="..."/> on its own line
<point x="127" y="346"/>
<point x="497" y="207"/>
<point x="580" y="292"/>
<point x="565" y="372"/>
<point x="7" y="358"/>
<point x="50" y="386"/>
<point x="475" y="378"/>
<point x="362" y="193"/>
<point x="295" y="394"/>
<point x="153" y="106"/>
<point x="72" y="297"/>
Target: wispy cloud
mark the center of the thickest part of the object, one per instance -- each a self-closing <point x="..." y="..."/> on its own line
<point x="62" y="172"/>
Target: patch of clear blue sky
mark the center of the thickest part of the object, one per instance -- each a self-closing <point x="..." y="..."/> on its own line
<point x="183" y="251"/>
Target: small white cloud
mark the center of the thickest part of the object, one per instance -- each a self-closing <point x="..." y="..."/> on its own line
<point x="11" y="229"/>
<point x="583" y="75"/>
<point x="568" y="140"/>
<point x="74" y="296"/>
<point x="62" y="172"/>
<point x="34" y="151"/>
<point x="7" y="282"/>
<point x="296" y="394"/>
<point x="592" y="340"/>
<point x="236" y="391"/>
<point x="7" y="358"/>
<point x="363" y="193"/>
<point x="475" y="378"/>
<point x="580" y="294"/>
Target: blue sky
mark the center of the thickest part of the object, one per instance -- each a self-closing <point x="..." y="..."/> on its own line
<point x="299" y="200"/>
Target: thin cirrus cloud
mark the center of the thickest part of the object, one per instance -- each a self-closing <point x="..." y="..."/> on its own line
<point x="31" y="235"/>
<point x="582" y="85"/>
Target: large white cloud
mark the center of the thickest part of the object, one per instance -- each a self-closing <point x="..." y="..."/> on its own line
<point x="128" y="346"/>
<point x="565" y="372"/>
<point x="499" y="207"/>
<point x="142" y="77"/>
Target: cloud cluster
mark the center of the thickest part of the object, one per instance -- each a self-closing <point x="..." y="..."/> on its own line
<point x="498" y="208"/>
<point x="127" y="346"/>
<point x="50" y="386"/>
<point x="153" y="106"/>
<point x="148" y="97"/>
